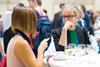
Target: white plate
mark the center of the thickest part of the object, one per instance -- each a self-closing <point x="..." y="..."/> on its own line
<point x="59" y="56"/>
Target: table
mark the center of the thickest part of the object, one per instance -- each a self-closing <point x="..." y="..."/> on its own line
<point x="81" y="59"/>
<point x="73" y="61"/>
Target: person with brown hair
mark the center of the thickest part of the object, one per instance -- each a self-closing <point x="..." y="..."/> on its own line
<point x="7" y="31"/>
<point x="19" y="53"/>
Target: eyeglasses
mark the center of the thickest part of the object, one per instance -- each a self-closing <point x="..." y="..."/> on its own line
<point x="69" y="16"/>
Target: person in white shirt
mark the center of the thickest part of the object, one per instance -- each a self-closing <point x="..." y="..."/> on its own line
<point x="7" y="20"/>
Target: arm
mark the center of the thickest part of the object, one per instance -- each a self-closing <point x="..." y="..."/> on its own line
<point x="60" y="37"/>
<point x="56" y="35"/>
<point x="23" y="52"/>
<point x="63" y="37"/>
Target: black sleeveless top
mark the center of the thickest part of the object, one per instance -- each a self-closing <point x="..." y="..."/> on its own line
<point x="23" y="35"/>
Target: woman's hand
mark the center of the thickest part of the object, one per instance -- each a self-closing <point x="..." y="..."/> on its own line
<point x="43" y="45"/>
<point x="67" y="25"/>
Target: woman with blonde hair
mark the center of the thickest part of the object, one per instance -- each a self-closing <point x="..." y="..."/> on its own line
<point x="69" y="33"/>
<point x="19" y="53"/>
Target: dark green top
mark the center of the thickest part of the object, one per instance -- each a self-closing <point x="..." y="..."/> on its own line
<point x="73" y="37"/>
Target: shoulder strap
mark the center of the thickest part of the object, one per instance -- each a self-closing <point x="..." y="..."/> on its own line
<point x="28" y="39"/>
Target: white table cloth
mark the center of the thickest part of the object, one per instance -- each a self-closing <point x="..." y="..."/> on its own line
<point x="74" y="61"/>
<point x="81" y="58"/>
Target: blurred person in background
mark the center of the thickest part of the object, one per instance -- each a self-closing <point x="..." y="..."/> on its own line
<point x="7" y="20"/>
<point x="80" y="18"/>
<point x="43" y="23"/>
<point x="57" y="21"/>
<point x="8" y="33"/>
<point x="1" y="26"/>
<point x="1" y="51"/>
<point x="92" y="20"/>
<point x="86" y="17"/>
<point x="1" y="35"/>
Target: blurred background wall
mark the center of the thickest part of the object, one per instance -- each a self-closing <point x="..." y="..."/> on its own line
<point x="52" y="6"/>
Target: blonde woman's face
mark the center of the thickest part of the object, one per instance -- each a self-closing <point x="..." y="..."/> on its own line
<point x="69" y="15"/>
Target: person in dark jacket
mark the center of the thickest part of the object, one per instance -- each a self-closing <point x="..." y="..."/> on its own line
<point x="8" y="33"/>
<point x="57" y="21"/>
<point x="86" y="17"/>
<point x="70" y="32"/>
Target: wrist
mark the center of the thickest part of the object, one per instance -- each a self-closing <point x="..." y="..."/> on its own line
<point x="40" y="53"/>
<point x="40" y="50"/>
<point x="64" y="29"/>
